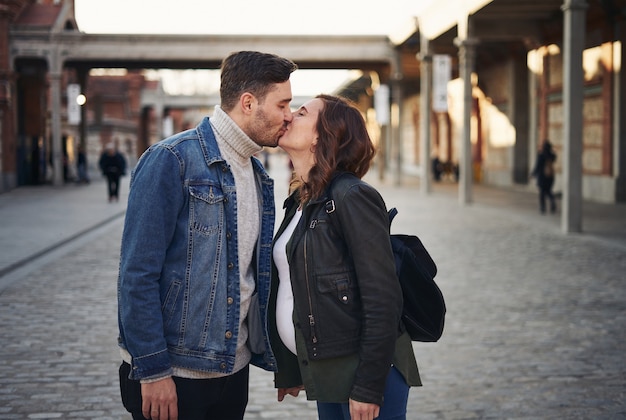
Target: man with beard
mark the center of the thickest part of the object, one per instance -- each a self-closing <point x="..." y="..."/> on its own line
<point x="195" y="254"/>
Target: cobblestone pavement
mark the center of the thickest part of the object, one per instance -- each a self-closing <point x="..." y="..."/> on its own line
<point x="535" y="326"/>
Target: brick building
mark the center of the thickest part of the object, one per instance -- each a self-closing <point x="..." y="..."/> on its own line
<point x="112" y="112"/>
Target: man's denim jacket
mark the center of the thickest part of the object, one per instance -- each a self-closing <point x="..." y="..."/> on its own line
<point x="178" y="287"/>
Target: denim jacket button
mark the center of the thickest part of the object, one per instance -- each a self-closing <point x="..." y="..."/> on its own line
<point x="228" y="235"/>
<point x="229" y="335"/>
<point x="230" y="265"/>
<point x="229" y="301"/>
<point x="223" y="366"/>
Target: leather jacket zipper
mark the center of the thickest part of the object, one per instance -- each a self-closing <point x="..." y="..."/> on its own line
<point x="308" y="286"/>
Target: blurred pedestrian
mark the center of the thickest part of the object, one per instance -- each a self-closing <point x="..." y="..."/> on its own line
<point x="195" y="257"/>
<point x="113" y="166"/>
<point x="336" y="302"/>
<point x="437" y="168"/>
<point x="81" y="166"/>
<point x="544" y="172"/>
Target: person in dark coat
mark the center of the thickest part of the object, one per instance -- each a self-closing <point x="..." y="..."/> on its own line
<point x="544" y="172"/>
<point x="113" y="166"/>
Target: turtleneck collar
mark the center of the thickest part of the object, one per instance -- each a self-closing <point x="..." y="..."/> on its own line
<point x="230" y="135"/>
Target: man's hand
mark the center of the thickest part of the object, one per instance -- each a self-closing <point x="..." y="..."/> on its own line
<point x="363" y="411"/>
<point x="159" y="400"/>
<point x="294" y="392"/>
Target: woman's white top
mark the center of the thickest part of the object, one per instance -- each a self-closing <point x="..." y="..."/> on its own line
<point x="284" y="299"/>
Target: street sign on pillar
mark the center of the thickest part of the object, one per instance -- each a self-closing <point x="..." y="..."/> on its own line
<point x="442" y="71"/>
<point x="73" y="108"/>
<point x="381" y="104"/>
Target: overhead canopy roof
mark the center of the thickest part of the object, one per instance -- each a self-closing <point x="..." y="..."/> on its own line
<point x="502" y="19"/>
<point x="500" y="26"/>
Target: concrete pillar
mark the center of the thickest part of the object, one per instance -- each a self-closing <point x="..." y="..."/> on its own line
<point x="533" y="109"/>
<point x="159" y="109"/>
<point x="426" y="60"/>
<point x="396" y="114"/>
<point x="519" y="116"/>
<point x="574" y="16"/>
<point x="82" y="74"/>
<point x="6" y="16"/>
<point x="619" y="118"/>
<point x="467" y="52"/>
<point x="55" y="117"/>
<point x="2" y="187"/>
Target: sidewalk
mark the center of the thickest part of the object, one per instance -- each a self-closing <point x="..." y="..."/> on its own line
<point x="38" y="219"/>
<point x="601" y="221"/>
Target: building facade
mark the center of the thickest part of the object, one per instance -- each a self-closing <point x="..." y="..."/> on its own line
<point x="508" y="90"/>
<point x="517" y="90"/>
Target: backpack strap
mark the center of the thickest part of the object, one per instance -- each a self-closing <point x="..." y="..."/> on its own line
<point x="330" y="204"/>
<point x="392" y="213"/>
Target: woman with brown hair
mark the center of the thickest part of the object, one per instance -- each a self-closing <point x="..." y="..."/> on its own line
<point x="335" y="301"/>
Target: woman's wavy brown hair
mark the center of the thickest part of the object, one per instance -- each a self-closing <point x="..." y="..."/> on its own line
<point x="343" y="145"/>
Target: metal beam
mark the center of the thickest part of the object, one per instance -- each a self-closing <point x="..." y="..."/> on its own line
<point x="204" y="51"/>
<point x="150" y="97"/>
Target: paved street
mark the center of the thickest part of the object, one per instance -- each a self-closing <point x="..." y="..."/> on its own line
<point x="536" y="323"/>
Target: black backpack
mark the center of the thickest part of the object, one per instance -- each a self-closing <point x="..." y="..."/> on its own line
<point x="424" y="309"/>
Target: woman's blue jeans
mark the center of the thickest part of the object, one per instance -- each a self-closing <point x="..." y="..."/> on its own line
<point x="393" y="408"/>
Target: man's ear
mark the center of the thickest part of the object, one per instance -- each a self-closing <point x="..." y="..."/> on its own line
<point x="247" y="101"/>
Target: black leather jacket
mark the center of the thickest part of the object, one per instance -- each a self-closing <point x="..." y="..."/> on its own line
<point x="344" y="236"/>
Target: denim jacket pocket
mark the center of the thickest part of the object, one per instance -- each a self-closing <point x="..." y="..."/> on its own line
<point x="205" y="209"/>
